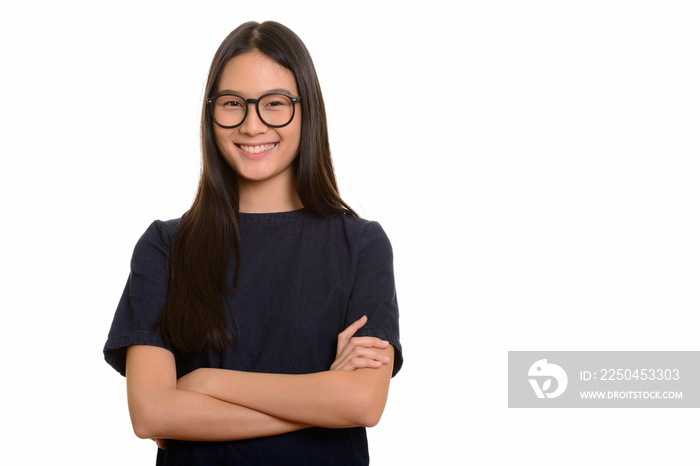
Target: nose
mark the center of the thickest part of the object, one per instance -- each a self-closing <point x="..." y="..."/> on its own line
<point x="252" y="124"/>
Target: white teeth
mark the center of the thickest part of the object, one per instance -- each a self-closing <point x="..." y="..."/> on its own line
<point x="256" y="149"/>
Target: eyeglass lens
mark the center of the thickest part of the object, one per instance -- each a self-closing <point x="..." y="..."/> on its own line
<point x="273" y="110"/>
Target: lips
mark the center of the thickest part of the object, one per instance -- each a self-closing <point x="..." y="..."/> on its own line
<point x="257" y="149"/>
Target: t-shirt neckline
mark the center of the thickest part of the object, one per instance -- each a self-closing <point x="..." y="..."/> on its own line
<point x="271" y="217"/>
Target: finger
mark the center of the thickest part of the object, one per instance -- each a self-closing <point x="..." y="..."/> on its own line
<point x="348" y="361"/>
<point x="369" y="354"/>
<point x="368" y="342"/>
<point x="354" y="327"/>
<point x="359" y="362"/>
<point x="345" y="335"/>
<point x="359" y="342"/>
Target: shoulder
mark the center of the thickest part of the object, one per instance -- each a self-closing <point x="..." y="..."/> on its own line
<point x="366" y="231"/>
<point x="366" y="237"/>
<point x="162" y="231"/>
<point x="157" y="239"/>
<point x="355" y="230"/>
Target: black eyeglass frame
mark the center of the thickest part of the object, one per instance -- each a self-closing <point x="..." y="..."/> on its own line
<point x="294" y="98"/>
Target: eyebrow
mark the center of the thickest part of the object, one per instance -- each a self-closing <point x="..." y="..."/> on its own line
<point x="270" y="91"/>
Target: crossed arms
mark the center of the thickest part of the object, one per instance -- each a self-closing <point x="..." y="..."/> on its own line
<point x="221" y="405"/>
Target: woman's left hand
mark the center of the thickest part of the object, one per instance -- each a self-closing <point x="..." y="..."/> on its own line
<point x="357" y="352"/>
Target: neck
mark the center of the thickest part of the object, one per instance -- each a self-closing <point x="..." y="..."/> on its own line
<point x="268" y="197"/>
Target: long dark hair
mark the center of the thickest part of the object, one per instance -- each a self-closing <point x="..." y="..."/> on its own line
<point x="193" y="318"/>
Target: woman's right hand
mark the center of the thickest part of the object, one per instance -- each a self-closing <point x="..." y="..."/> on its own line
<point x="357" y="352"/>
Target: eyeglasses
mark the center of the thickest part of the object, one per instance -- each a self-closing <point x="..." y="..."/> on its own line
<point x="275" y="109"/>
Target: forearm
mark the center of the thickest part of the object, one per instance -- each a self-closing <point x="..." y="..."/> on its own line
<point x="159" y="410"/>
<point x="183" y="415"/>
<point x="333" y="399"/>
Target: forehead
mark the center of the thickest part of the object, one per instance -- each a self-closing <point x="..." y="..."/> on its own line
<point x="253" y="74"/>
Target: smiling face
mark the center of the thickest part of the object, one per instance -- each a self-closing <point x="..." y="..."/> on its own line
<point x="256" y="152"/>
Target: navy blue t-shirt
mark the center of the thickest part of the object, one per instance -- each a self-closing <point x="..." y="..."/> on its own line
<point x="303" y="279"/>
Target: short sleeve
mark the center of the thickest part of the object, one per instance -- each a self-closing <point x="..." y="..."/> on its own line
<point x="374" y="291"/>
<point x="143" y="297"/>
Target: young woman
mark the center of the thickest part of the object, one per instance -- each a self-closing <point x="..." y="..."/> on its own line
<point x="262" y="326"/>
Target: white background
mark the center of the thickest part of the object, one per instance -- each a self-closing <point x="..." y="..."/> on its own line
<point x="535" y="164"/>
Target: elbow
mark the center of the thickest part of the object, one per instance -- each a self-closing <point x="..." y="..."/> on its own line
<point x="366" y="399"/>
<point x="144" y="421"/>
<point x="142" y="431"/>
<point x="370" y="419"/>
<point x="142" y="428"/>
<point x="370" y="407"/>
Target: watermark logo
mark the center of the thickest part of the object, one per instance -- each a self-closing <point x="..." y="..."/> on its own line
<point x="546" y="372"/>
<point x="603" y="379"/>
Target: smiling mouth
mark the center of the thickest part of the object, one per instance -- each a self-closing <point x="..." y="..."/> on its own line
<point x="257" y="149"/>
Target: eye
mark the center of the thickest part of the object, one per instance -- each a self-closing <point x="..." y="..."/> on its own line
<point x="275" y="102"/>
<point x="230" y="102"/>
